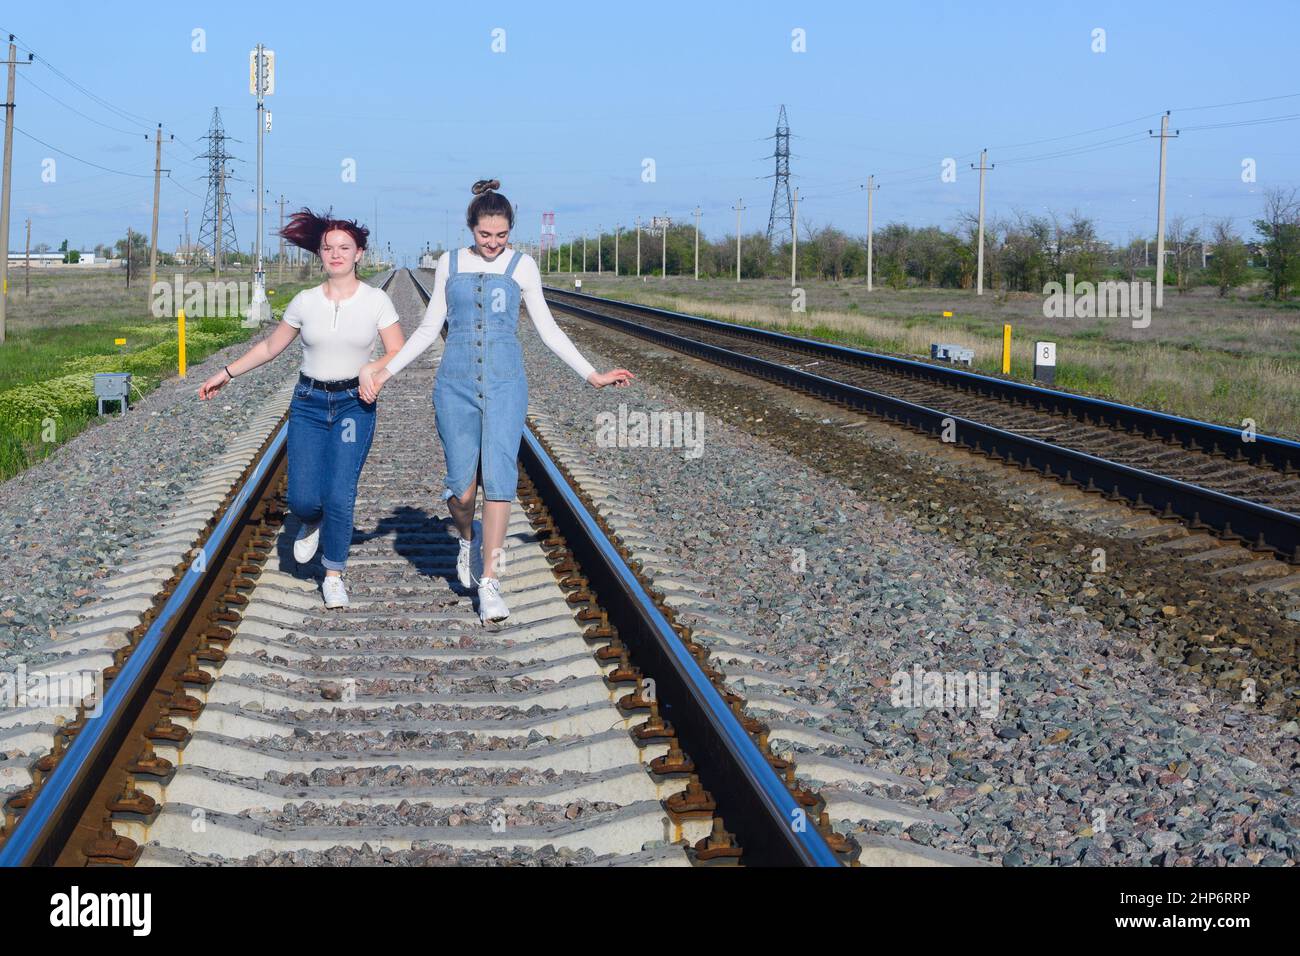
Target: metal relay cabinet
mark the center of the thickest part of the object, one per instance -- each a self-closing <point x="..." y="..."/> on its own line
<point x="113" y="387"/>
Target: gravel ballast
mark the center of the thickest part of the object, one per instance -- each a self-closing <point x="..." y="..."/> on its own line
<point x="1094" y="751"/>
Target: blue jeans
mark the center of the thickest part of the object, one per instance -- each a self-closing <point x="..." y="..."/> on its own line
<point x="329" y="438"/>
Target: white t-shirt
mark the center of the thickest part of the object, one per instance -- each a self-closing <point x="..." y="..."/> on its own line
<point x="337" y="337"/>
<point x="529" y="278"/>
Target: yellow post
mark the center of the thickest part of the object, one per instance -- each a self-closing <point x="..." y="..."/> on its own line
<point x="180" y="339"/>
<point x="1006" y="349"/>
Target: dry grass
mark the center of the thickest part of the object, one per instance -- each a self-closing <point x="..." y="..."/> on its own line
<point x="1217" y="360"/>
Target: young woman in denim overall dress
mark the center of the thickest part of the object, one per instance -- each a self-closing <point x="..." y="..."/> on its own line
<point x="330" y="424"/>
<point x="481" y="394"/>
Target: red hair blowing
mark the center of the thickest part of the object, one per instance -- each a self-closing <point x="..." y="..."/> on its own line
<point x="307" y="230"/>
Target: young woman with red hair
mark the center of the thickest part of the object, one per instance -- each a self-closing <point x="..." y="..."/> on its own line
<point x="330" y="424"/>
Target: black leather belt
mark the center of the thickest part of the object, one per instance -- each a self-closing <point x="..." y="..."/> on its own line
<point x="340" y="386"/>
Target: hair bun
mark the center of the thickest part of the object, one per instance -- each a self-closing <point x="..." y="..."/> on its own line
<point x="485" y="186"/>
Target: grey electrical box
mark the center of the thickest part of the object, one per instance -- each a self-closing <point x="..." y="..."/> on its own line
<point x="952" y="353"/>
<point x="113" y="387"/>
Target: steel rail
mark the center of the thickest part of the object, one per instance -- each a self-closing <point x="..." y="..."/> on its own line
<point x="1263" y="450"/>
<point x="48" y="822"/>
<point x="44" y="828"/>
<point x="772" y="828"/>
<point x="1265" y="527"/>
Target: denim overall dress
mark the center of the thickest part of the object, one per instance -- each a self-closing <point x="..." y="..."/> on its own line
<point x="481" y="395"/>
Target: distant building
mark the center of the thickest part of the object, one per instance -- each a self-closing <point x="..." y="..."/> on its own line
<point x="55" y="258"/>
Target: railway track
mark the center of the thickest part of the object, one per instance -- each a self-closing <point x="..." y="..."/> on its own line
<point x="241" y="722"/>
<point x="1214" y="479"/>
<point x="837" y="775"/>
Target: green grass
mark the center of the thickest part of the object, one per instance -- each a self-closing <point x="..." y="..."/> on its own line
<point x="64" y="333"/>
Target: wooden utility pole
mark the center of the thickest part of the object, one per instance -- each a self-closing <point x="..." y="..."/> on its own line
<point x="979" y="253"/>
<point x="128" y="257"/>
<point x="157" y="185"/>
<point x="1165" y="136"/>
<point x="4" y="190"/>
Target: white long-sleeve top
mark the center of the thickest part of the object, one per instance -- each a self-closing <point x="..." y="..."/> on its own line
<point x="529" y="278"/>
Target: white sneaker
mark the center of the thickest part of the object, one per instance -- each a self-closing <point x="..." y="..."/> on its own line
<point x="490" y="605"/>
<point x="306" y="542"/>
<point x="469" y="561"/>
<point x="335" y="594"/>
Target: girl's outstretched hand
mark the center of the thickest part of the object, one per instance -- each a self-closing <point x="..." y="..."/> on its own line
<point x="618" y="377"/>
<point x="213" y="385"/>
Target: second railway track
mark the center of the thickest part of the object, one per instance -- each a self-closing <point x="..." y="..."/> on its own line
<point x="1211" y="477"/>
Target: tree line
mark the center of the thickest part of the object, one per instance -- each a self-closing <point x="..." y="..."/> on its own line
<point x="1022" y="253"/>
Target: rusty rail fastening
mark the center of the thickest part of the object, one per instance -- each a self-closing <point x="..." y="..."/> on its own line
<point x="64" y="817"/>
<point x="95" y="766"/>
<point x="763" y="836"/>
<point x="774" y="820"/>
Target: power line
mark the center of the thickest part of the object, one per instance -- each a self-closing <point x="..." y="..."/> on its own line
<point x="1255" y="122"/>
<point x="124" y="132"/>
<point x="1112" y="143"/>
<point x="124" y="114"/>
<point x="1099" y="129"/>
<point x="120" y="112"/>
<point x="189" y="160"/>
<point x="78" y="158"/>
<point x="175" y="182"/>
<point x="1216" y="106"/>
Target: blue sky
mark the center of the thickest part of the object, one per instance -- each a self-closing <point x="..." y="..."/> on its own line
<point x="585" y="92"/>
